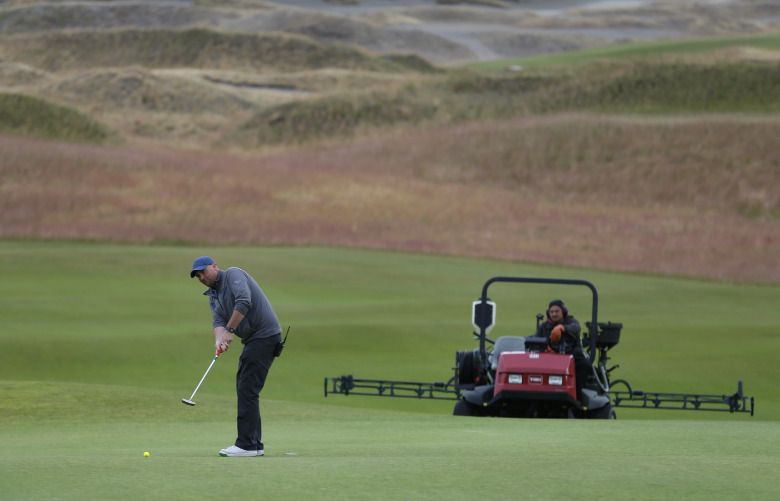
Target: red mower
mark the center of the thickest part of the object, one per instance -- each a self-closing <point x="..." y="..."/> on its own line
<point x="528" y="376"/>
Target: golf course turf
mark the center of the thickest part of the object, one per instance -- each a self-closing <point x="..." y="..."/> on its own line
<point x="102" y="341"/>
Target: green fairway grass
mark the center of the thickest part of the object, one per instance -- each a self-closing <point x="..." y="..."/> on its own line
<point x="654" y="49"/>
<point x="102" y="341"/>
<point x="77" y="441"/>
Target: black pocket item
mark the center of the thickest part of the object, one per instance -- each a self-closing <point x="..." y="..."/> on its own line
<point x="280" y="345"/>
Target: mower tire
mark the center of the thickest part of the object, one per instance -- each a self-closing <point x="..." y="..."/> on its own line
<point x="469" y="367"/>
<point x="463" y="408"/>
<point x="606" y="412"/>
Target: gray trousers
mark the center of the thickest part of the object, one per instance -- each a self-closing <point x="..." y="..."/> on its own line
<point x="253" y="366"/>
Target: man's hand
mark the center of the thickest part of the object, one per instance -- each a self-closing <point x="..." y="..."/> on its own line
<point x="556" y="333"/>
<point x="222" y="340"/>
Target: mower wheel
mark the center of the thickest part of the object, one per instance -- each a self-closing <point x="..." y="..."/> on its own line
<point x="463" y="408"/>
<point x="469" y="366"/>
<point x="606" y="412"/>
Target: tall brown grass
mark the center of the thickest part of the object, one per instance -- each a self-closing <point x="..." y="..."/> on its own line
<point x="726" y="165"/>
<point x="697" y="197"/>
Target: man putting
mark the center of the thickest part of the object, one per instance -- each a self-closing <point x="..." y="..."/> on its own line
<point x="239" y="306"/>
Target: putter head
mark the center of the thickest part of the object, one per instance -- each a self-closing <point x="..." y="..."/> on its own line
<point x="187" y="401"/>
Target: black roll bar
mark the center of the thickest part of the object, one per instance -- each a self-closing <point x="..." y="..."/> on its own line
<point x="550" y="281"/>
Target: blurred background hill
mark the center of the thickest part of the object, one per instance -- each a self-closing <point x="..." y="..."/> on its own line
<point x="623" y="135"/>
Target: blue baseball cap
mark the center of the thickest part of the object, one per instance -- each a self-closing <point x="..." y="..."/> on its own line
<point x="200" y="264"/>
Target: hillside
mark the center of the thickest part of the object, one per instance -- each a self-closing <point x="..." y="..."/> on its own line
<point x="654" y="156"/>
<point x="690" y="208"/>
<point x="244" y="74"/>
<point x="442" y="32"/>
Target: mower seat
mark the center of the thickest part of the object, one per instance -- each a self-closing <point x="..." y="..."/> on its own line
<point x="505" y="343"/>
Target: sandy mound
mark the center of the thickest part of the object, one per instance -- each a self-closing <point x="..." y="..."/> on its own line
<point x="142" y="90"/>
<point x="17" y="74"/>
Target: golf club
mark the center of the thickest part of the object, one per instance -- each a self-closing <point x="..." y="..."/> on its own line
<point x="190" y="401"/>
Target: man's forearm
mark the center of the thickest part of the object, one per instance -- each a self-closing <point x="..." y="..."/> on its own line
<point x="235" y="320"/>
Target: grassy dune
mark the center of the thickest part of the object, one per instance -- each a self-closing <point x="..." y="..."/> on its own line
<point x="332" y="116"/>
<point x="641" y="195"/>
<point x="140" y="91"/>
<point x="686" y="162"/>
<point x="676" y="87"/>
<point x="29" y="116"/>
<point x="207" y="79"/>
<point x="666" y="164"/>
<point x="629" y="87"/>
<point x="722" y="75"/>
<point x="191" y="48"/>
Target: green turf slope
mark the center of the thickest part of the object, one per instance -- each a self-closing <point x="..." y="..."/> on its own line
<point x="102" y="341"/>
<point x="131" y="316"/>
<point x="25" y="115"/>
<point x="653" y="49"/>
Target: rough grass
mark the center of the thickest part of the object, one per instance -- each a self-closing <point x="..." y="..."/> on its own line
<point x="370" y="92"/>
<point x="141" y="90"/>
<point x="674" y="87"/>
<point x="36" y="16"/>
<point x="629" y="194"/>
<point x="628" y="87"/>
<point x="192" y="48"/>
<point x="30" y="116"/>
<point x="486" y="3"/>
<point x="686" y="163"/>
<point x="678" y="190"/>
<point x="655" y="85"/>
<point x="334" y="116"/>
<point x="19" y="75"/>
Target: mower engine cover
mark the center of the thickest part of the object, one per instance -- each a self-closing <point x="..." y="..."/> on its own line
<point x="535" y="375"/>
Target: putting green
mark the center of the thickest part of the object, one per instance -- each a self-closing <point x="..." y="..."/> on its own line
<point x="76" y="441"/>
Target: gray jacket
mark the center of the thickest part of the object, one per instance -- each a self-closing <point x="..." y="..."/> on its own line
<point x="236" y="289"/>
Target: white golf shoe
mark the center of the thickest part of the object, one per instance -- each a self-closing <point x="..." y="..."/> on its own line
<point x="234" y="451"/>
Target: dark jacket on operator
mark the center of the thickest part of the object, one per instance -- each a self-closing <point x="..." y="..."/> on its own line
<point x="569" y="344"/>
<point x="570" y="340"/>
<point x="236" y="289"/>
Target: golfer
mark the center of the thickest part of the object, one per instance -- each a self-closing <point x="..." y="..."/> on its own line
<point x="240" y="307"/>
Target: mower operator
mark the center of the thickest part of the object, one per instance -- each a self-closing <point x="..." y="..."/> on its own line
<point x="563" y="334"/>
<point x="240" y="307"/>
